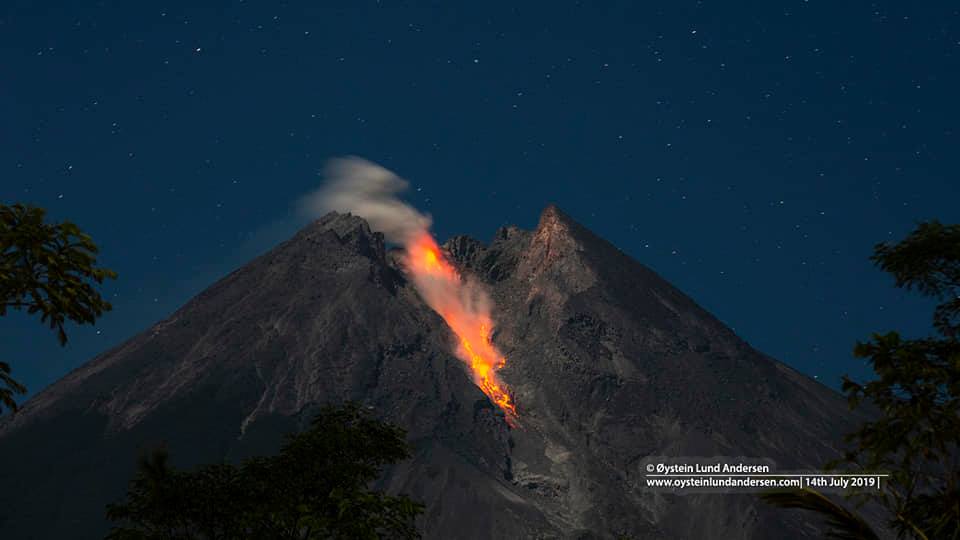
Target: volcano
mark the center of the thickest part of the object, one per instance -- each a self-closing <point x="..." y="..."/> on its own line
<point x="608" y="363"/>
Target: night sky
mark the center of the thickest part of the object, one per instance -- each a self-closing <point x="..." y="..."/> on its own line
<point x="752" y="154"/>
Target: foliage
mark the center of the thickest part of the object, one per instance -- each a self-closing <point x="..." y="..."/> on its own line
<point x="9" y="387"/>
<point x="916" y="438"/>
<point x="842" y="523"/>
<point x="316" y="487"/>
<point x="46" y="269"/>
<point x="928" y="261"/>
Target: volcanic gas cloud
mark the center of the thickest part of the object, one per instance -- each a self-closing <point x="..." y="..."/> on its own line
<point x="370" y="191"/>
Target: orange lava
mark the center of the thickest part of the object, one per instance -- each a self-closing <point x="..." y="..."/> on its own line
<point x="465" y="313"/>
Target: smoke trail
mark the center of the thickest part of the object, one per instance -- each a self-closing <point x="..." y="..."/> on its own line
<point x="370" y="191"/>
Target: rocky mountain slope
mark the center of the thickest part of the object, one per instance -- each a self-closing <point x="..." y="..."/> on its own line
<point x="608" y="362"/>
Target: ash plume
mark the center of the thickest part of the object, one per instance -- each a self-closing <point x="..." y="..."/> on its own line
<point x="365" y="189"/>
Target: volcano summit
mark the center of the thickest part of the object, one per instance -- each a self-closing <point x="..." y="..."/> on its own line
<point x="608" y="364"/>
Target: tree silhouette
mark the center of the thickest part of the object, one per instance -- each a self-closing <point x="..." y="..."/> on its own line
<point x="316" y="487"/>
<point x="47" y="269"/>
<point x="9" y="388"/>
<point x="916" y="438"/>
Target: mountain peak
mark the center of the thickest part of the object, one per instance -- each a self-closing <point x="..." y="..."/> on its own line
<point x="556" y="246"/>
<point x="555" y="219"/>
<point x="558" y="225"/>
<point x="344" y="224"/>
<point x="551" y="211"/>
<point x="350" y="230"/>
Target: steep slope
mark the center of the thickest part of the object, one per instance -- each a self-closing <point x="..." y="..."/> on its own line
<point x="609" y="363"/>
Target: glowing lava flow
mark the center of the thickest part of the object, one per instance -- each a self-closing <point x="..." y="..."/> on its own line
<point x="466" y="310"/>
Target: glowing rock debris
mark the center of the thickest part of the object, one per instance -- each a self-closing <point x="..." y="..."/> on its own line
<point x="466" y="311"/>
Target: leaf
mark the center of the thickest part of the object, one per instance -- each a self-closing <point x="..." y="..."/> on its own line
<point x="9" y="388"/>
<point x="843" y="524"/>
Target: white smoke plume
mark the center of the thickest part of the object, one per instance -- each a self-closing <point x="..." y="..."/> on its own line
<point x="365" y="189"/>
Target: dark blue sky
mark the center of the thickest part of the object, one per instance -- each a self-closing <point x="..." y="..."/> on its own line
<point x="752" y="154"/>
